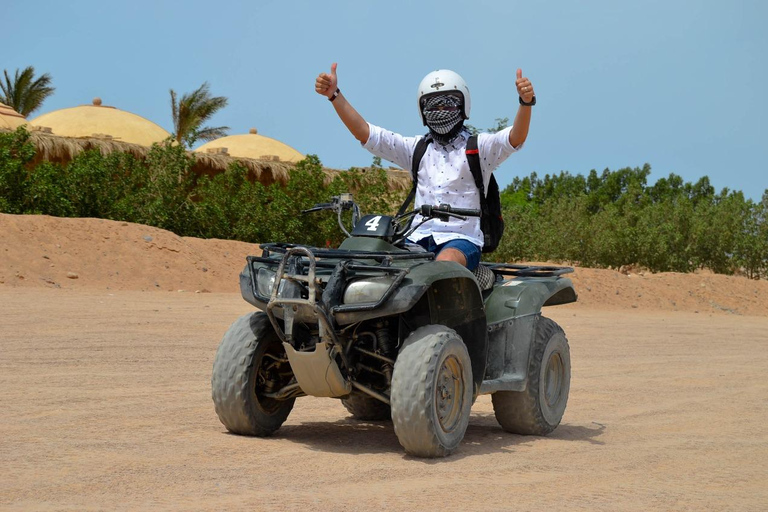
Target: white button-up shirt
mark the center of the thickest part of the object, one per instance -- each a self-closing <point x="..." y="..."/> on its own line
<point x="445" y="177"/>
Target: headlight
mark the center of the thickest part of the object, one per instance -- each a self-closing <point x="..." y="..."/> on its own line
<point x="367" y="290"/>
<point x="265" y="280"/>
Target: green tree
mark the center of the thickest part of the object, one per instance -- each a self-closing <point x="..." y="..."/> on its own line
<point x="25" y="93"/>
<point x="501" y="123"/>
<point x="191" y="111"/>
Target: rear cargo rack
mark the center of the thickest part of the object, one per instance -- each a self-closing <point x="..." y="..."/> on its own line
<point x="507" y="269"/>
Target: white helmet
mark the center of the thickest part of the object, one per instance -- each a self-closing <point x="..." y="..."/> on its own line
<point x="444" y="80"/>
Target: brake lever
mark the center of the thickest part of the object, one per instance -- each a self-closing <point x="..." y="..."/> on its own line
<point x="317" y="208"/>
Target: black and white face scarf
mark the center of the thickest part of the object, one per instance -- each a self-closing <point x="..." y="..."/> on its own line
<point x="443" y="115"/>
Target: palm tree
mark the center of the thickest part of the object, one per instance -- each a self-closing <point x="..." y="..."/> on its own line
<point x="24" y="93"/>
<point x="191" y="111"/>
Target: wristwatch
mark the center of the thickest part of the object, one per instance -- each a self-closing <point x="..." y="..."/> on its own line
<point x="532" y="103"/>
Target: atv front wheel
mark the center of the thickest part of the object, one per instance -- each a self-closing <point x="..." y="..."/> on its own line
<point x="366" y="408"/>
<point x="250" y="363"/>
<point x="539" y="409"/>
<point x="431" y="392"/>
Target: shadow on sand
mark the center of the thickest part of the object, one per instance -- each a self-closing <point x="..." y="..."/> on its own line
<point x="483" y="436"/>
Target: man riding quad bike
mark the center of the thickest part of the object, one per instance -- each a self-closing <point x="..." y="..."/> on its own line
<point x="393" y="333"/>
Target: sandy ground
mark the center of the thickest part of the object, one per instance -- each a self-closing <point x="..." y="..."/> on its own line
<point x="38" y="251"/>
<point x="106" y="395"/>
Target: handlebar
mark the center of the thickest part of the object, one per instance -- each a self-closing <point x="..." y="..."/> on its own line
<point x="342" y="202"/>
<point x="339" y="204"/>
<point x="402" y="222"/>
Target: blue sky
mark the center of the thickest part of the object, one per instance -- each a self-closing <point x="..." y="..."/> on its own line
<point x="681" y="85"/>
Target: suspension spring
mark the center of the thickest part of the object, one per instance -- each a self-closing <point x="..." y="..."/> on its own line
<point x="385" y="348"/>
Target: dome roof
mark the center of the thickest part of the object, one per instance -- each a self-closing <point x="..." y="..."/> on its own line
<point x="101" y="122"/>
<point x="9" y="118"/>
<point x="252" y="145"/>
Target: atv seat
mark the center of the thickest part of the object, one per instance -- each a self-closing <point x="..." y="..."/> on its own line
<point x="485" y="277"/>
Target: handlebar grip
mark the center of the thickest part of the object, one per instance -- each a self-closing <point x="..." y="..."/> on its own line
<point x="466" y="211"/>
<point x="430" y="211"/>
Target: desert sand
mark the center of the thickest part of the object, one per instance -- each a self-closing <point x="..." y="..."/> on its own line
<point x="106" y="352"/>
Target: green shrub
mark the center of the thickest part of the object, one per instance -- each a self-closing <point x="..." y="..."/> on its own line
<point x="604" y="220"/>
<point x="16" y="152"/>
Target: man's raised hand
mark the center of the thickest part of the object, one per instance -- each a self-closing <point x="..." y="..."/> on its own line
<point x="326" y="84"/>
<point x="524" y="87"/>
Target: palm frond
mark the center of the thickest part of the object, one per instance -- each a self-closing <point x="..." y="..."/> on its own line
<point x="210" y="133"/>
<point x="24" y="93"/>
<point x="192" y="110"/>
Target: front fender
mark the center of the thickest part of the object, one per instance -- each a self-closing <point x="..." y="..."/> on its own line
<point x="443" y="293"/>
<point x="420" y="278"/>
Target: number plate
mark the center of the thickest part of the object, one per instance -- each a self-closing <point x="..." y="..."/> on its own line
<point x="374" y="225"/>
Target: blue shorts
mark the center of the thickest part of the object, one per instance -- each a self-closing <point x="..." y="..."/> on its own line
<point x="470" y="251"/>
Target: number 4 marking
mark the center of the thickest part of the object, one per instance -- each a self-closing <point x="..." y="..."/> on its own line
<point x="373" y="224"/>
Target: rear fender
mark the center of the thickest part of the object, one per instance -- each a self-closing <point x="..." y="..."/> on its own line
<point x="526" y="296"/>
<point x="513" y="312"/>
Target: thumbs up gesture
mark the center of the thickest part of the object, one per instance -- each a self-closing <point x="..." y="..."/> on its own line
<point x="326" y="84"/>
<point x="524" y="87"/>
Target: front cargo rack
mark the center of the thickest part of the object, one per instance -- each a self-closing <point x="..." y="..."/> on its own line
<point x="308" y="258"/>
<point x="507" y="269"/>
<point x="383" y="257"/>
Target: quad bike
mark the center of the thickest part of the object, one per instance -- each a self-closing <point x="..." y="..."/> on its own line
<point x="395" y="334"/>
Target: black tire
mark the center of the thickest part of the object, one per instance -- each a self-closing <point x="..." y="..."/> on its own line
<point x="366" y="408"/>
<point x="431" y="392"/>
<point x="538" y="410"/>
<point x="239" y="378"/>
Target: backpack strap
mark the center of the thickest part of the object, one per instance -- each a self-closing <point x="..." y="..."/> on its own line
<point x="473" y="158"/>
<point x="418" y="154"/>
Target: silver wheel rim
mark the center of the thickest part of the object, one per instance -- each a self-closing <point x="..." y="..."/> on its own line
<point x="449" y="394"/>
<point x="554" y="377"/>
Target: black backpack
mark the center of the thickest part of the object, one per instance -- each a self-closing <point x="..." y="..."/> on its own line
<point x="491" y="220"/>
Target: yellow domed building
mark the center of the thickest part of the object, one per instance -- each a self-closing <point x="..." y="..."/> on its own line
<point x="9" y="118"/>
<point x="252" y="145"/>
<point x="268" y="160"/>
<point x="100" y="122"/>
<point x="61" y="135"/>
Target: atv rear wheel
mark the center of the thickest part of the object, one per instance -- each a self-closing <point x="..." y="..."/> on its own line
<point x="539" y="409"/>
<point x="431" y="392"/>
<point x="249" y="363"/>
<point x="366" y="408"/>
